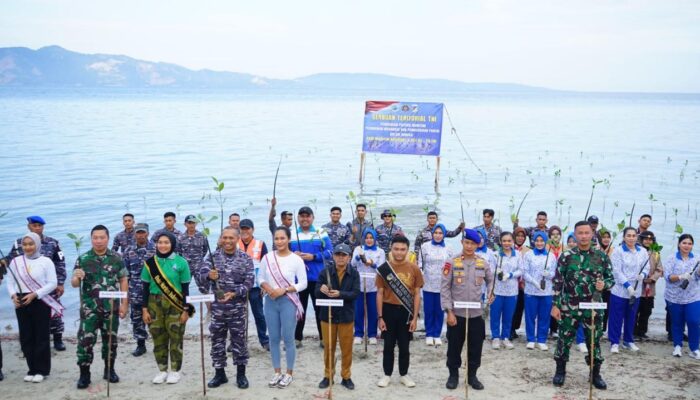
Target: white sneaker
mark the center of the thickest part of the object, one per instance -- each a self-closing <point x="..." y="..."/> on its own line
<point x="438" y="341"/>
<point x="677" y="351"/>
<point x="285" y="381"/>
<point x="358" y="340"/>
<point x="508" y="344"/>
<point x="173" y="377"/>
<point x="38" y="378"/>
<point x="583" y="348"/>
<point x="429" y="341"/>
<point x="275" y="380"/>
<point x="630" y="346"/>
<point x="530" y="346"/>
<point x="543" y="346"/>
<point x="693" y="354"/>
<point x="496" y="344"/>
<point x="614" y="349"/>
<point x="373" y="341"/>
<point x="384" y="381"/>
<point x="407" y="381"/>
<point x="160" y="378"/>
<point x="29" y="378"/>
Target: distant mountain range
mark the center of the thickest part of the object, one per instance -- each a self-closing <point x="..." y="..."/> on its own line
<point x="54" y="66"/>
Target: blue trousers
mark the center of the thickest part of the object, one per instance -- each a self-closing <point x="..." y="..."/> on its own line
<point x="280" y="315"/>
<point x="256" y="306"/>
<point x="621" y="313"/>
<point x="501" y="319"/>
<point x="682" y="314"/>
<point x="371" y="315"/>
<point x="537" y="311"/>
<point x="433" y="314"/>
<point x="580" y="336"/>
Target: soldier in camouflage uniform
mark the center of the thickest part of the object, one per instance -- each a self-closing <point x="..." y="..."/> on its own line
<point x="582" y="274"/>
<point x="51" y="250"/>
<point x="192" y="245"/>
<point x="387" y="230"/>
<point x="338" y="232"/>
<point x="169" y="226"/>
<point x="100" y="269"/>
<point x="134" y="256"/>
<point x="234" y="272"/>
<point x="126" y="237"/>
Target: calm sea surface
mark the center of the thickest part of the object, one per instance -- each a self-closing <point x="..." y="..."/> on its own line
<point x="83" y="157"/>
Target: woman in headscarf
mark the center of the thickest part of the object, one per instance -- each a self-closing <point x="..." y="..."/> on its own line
<point x="682" y="295"/>
<point x="166" y="316"/>
<point x="606" y="242"/>
<point x="506" y="291"/>
<point x="520" y="238"/>
<point x="31" y="277"/>
<point x="431" y="259"/>
<point x="539" y="268"/>
<point x="366" y="259"/>
<point x="656" y="271"/>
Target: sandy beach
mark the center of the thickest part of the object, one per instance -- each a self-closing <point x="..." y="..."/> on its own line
<point x="514" y="374"/>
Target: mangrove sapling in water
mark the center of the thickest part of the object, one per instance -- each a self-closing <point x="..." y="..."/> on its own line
<point x="220" y="199"/>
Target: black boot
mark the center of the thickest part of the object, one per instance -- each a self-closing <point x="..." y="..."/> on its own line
<point x="598" y="381"/>
<point x="218" y="379"/>
<point x="473" y="381"/>
<point x="241" y="380"/>
<point x="84" y="380"/>
<point x="1" y="376"/>
<point x="560" y="374"/>
<point x="58" y="342"/>
<point x="109" y="373"/>
<point x="140" y="348"/>
<point x="453" y="380"/>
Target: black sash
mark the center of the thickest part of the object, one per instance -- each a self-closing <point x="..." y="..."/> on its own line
<point x="169" y="291"/>
<point x="400" y="290"/>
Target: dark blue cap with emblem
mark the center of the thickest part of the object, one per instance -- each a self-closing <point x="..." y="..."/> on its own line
<point x="35" y="219"/>
<point x="472" y="235"/>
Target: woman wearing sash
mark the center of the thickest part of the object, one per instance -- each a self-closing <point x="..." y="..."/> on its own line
<point x="366" y="259"/>
<point x="282" y="276"/>
<point x="431" y="260"/>
<point x="166" y="315"/>
<point x="31" y="277"/>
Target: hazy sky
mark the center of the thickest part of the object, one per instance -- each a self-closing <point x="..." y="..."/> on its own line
<point x="607" y="45"/>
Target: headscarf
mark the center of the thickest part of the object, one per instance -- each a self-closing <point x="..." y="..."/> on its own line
<point x="444" y="231"/>
<point x="482" y="233"/>
<point x="571" y="236"/>
<point x="37" y="242"/>
<point x="517" y="230"/>
<point x="374" y="236"/>
<point x="544" y="237"/>
<point x="173" y="243"/>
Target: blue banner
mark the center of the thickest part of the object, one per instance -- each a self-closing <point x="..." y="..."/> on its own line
<point x="402" y="128"/>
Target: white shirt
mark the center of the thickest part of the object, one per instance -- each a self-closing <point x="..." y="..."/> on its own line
<point x="431" y="260"/>
<point x="625" y="267"/>
<point x="41" y="269"/>
<point x="674" y="293"/>
<point x="292" y="267"/>
<point x="533" y="268"/>
<point x="378" y="258"/>
<point x="510" y="265"/>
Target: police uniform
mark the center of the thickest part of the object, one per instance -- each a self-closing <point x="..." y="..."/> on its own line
<point x="338" y="233"/>
<point x="462" y="280"/>
<point x="134" y="257"/>
<point x="123" y="240"/>
<point x="237" y="275"/>
<point x="574" y="283"/>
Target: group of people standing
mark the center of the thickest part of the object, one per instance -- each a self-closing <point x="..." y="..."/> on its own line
<point x="372" y="271"/>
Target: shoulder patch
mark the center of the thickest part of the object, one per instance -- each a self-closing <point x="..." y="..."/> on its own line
<point x="446" y="268"/>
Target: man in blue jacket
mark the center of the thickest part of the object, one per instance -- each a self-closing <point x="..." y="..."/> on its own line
<point x="315" y="248"/>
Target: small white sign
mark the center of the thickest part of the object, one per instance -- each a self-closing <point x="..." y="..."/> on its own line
<point x="329" y="302"/>
<point x="368" y="275"/>
<point x="467" y="304"/>
<point x="108" y="294"/>
<point x="201" y="298"/>
<point x="592" y="306"/>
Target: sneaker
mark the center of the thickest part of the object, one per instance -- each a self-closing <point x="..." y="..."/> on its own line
<point x="358" y="340"/>
<point x="677" y="351"/>
<point x="160" y="378"/>
<point x="693" y="354"/>
<point x="496" y="344"/>
<point x="438" y="341"/>
<point x="614" y="349"/>
<point x="275" y="380"/>
<point x="508" y="345"/>
<point x="173" y="377"/>
<point x="630" y="346"/>
<point x="29" y="378"/>
<point x="530" y="346"/>
<point x="429" y="341"/>
<point x="407" y="381"/>
<point x="583" y="348"/>
<point x="543" y="346"/>
<point x="373" y="341"/>
<point x="384" y="381"/>
<point x="285" y="381"/>
<point x="40" y="378"/>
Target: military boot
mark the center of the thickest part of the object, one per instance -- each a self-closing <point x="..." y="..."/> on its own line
<point x="58" y="342"/>
<point x="84" y="380"/>
<point x="560" y="374"/>
<point x="598" y="381"/>
<point x="109" y="372"/>
<point x="218" y="379"/>
<point x="140" y="348"/>
<point x="453" y="379"/>
<point x="241" y="380"/>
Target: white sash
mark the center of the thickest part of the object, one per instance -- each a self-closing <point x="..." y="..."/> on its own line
<point x="281" y="281"/>
<point x="34" y="286"/>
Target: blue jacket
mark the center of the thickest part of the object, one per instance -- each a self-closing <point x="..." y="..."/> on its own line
<point x="313" y="242"/>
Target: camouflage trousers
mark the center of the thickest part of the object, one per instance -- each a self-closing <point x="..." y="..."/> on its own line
<point x="167" y="333"/>
<point x="95" y="317"/>
<point x="56" y="326"/>
<point x="232" y="321"/>
<point x="136" y="304"/>
<point x="567" y="334"/>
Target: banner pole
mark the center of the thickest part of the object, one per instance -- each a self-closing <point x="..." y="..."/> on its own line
<point x="437" y="174"/>
<point x="362" y="167"/>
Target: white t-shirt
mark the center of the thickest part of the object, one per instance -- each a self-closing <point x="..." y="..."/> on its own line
<point x="292" y="267"/>
<point x="41" y="269"/>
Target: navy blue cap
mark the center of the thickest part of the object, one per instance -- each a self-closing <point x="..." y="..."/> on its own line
<point x="472" y="235"/>
<point x="342" y="248"/>
<point x="35" y="219"/>
<point x="246" y="223"/>
<point x="305" y="210"/>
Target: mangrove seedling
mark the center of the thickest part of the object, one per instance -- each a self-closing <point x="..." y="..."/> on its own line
<point x="220" y="199"/>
